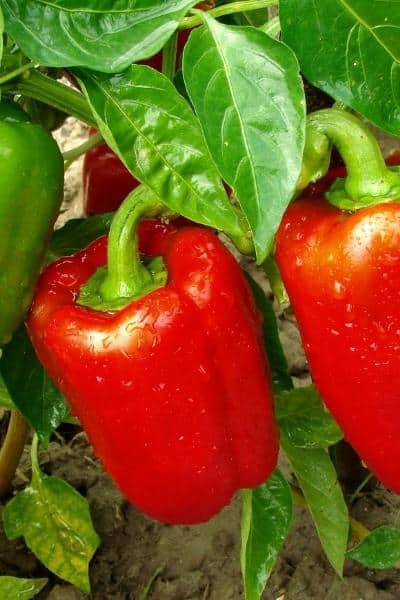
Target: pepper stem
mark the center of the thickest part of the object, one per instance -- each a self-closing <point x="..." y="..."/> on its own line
<point x="369" y="180"/>
<point x="126" y="276"/>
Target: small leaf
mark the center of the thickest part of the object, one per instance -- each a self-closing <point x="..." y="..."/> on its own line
<point x="155" y="133"/>
<point x="5" y="398"/>
<point x="56" y="524"/>
<point x="349" y="49"/>
<point x="380" y="549"/>
<point x="31" y="390"/>
<point x="318" y="481"/>
<point x="104" y="36"/>
<point x="77" y="234"/>
<point x="248" y="94"/>
<point x="20" y="589"/>
<point x="304" y="420"/>
<point x="266" y="519"/>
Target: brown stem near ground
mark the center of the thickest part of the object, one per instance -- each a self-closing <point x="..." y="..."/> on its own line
<point x="11" y="450"/>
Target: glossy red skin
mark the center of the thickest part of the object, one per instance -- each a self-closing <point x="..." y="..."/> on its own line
<point x="106" y="180"/>
<point x="342" y="274"/>
<point x="173" y="390"/>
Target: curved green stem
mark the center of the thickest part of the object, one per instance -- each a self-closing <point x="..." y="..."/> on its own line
<point x="71" y="155"/>
<point x="169" y="56"/>
<point x="272" y="27"/>
<point x="227" y="9"/>
<point x="51" y="92"/>
<point x="369" y="179"/>
<point x="35" y="457"/>
<point x="16" y="72"/>
<point x="126" y="276"/>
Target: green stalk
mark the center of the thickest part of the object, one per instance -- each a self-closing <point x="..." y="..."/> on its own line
<point x="227" y="9"/>
<point x="16" y="72"/>
<point x="51" y="92"/>
<point x="71" y="155"/>
<point x="369" y="180"/>
<point x="169" y="56"/>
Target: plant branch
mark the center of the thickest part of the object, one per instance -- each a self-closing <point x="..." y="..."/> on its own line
<point x="16" y="72"/>
<point x="71" y="155"/>
<point x="11" y="450"/>
<point x="51" y="92"/>
<point x="227" y="9"/>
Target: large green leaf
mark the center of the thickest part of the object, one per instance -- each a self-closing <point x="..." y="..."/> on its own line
<point x="14" y="588"/>
<point x="56" y="524"/>
<point x="247" y="92"/>
<point x="103" y="35"/>
<point x="5" y="398"/>
<point x="304" y="419"/>
<point x="351" y="50"/>
<point x="31" y="390"/>
<point x="380" y="549"/>
<point x="266" y="518"/>
<point x="318" y="480"/>
<point x="153" y="130"/>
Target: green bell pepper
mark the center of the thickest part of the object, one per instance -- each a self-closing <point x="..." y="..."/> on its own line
<point x="31" y="191"/>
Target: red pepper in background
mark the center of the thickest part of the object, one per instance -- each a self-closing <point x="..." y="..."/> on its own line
<point x="173" y="389"/>
<point x="341" y="270"/>
<point x="106" y="180"/>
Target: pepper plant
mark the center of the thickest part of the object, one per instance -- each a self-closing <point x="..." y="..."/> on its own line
<point x="138" y="321"/>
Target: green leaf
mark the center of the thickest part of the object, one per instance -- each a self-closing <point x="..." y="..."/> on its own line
<point x="153" y="130"/>
<point x="77" y="234"/>
<point x="20" y="589"/>
<point x="248" y="94"/>
<point x="5" y="398"/>
<point x="56" y="525"/>
<point x="318" y="481"/>
<point x="312" y="467"/>
<point x="380" y="549"/>
<point x="277" y="360"/>
<point x="350" y="49"/>
<point x="31" y="390"/>
<point x="266" y="519"/>
<point x="303" y="418"/>
<point x="103" y="35"/>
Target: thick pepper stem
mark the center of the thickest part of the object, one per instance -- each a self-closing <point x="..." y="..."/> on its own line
<point x="126" y="276"/>
<point x="369" y="179"/>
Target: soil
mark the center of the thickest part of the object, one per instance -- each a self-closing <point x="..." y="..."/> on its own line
<point x="189" y="563"/>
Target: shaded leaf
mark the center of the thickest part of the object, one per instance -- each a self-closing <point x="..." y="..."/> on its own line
<point x="151" y="127"/>
<point x="248" y="94"/>
<point x="56" y="525"/>
<point x="31" y="390"/>
<point x="5" y="398"/>
<point x="103" y="35"/>
<point x="304" y="420"/>
<point x="277" y="360"/>
<point x="350" y="49"/>
<point x="380" y="549"/>
<point x="77" y="234"/>
<point x="266" y="519"/>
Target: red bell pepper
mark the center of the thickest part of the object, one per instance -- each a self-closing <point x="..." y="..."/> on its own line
<point x="106" y="180"/>
<point x="173" y="388"/>
<point x="339" y="259"/>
